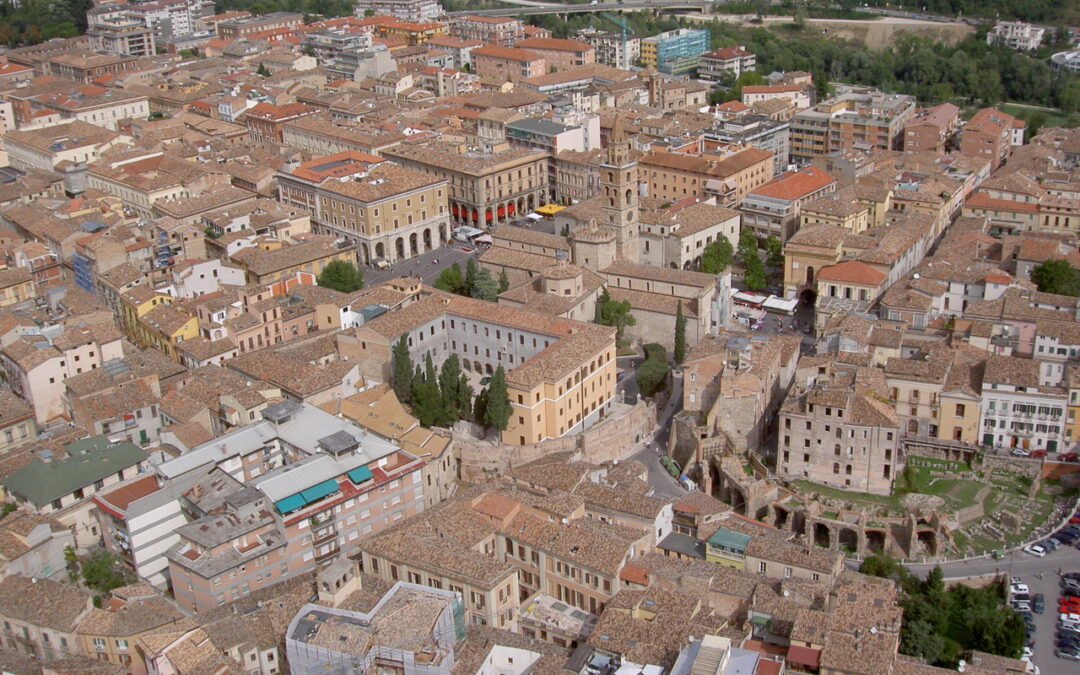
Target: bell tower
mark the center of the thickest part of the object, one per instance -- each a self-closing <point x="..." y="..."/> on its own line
<point x="618" y="176"/>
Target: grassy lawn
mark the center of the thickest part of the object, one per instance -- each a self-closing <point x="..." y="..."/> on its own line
<point x="890" y="502"/>
<point x="1054" y="118"/>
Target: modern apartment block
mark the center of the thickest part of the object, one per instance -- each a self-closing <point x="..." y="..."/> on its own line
<point x="930" y="129"/>
<point x="306" y="486"/>
<point x="559" y="373"/>
<point x="560" y="54"/>
<point x="1016" y="35"/>
<point x="414" y="627"/>
<point x="866" y="120"/>
<point x="773" y="209"/>
<point x="989" y="135"/>
<point x="234" y="29"/>
<point x="612" y="49"/>
<point x="419" y="11"/>
<point x="675" y="52"/>
<point x="726" y="62"/>
<point x="501" y="31"/>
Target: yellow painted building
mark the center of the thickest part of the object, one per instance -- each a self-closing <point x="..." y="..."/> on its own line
<point x="16" y="285"/>
<point x="164" y="327"/>
<point x="1072" y="419"/>
<point x="648" y="53"/>
<point x="270" y="263"/>
<point x="560" y="374"/>
<point x="136" y="303"/>
<point x="807" y="252"/>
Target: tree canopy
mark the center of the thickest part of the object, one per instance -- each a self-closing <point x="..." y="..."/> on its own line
<point x="497" y="402"/>
<point x="614" y="313"/>
<point x="341" y="276"/>
<point x="941" y="623"/>
<point x="717" y="256"/>
<point x="1057" y="276"/>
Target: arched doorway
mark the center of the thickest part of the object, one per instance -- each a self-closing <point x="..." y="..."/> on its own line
<point x="442" y="234"/>
<point x="532" y="202"/>
<point x="399" y="244"/>
<point x="427" y="239"/>
<point x="413" y="248"/>
<point x="809" y="276"/>
<point x="365" y="254"/>
<point x="380" y="250"/>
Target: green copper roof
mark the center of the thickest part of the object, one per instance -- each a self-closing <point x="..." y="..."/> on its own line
<point x="86" y="462"/>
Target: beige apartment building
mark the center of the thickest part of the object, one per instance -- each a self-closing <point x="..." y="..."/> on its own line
<point x="487" y="186"/>
<point x="671" y="176"/>
<point x="390" y="213"/>
<point x="560" y="374"/>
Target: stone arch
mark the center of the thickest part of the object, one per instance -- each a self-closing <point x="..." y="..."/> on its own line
<point x="875" y="541"/>
<point x="428" y="245"/>
<point x="442" y="234"/>
<point x="822" y="535"/>
<point x="466" y="365"/>
<point x="780" y="517"/>
<point x="365" y="254"/>
<point x="380" y="250"/>
<point x="399" y="244"/>
<point x="848" y="539"/>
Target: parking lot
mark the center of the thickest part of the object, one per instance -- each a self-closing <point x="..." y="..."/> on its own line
<point x="1047" y="582"/>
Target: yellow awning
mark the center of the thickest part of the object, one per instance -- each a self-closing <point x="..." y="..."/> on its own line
<point x="549" y="209"/>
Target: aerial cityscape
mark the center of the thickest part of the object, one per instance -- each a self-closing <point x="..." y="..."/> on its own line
<point x="539" y="337"/>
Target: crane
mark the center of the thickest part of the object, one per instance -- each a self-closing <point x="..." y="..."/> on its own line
<point x="620" y="20"/>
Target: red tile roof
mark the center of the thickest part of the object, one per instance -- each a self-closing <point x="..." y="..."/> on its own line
<point x="508" y="53"/>
<point x="635" y="574"/>
<point x="554" y="44"/>
<point x="852" y="272"/>
<point x="981" y="200"/>
<point x="795" y="184"/>
<point x="727" y="53"/>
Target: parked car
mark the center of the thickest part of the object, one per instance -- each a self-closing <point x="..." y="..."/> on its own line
<point x="1068" y="654"/>
<point x="1035" y="550"/>
<point x="1018" y="588"/>
<point x="1020" y="452"/>
<point x="1038" y="603"/>
<point x="1038" y="454"/>
<point x="1069" y="457"/>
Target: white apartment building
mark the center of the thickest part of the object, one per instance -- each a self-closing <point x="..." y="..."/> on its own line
<point x="420" y="11"/>
<point x="1017" y="411"/>
<point x="1016" y="35"/>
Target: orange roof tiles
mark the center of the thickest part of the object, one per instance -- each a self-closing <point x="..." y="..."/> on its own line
<point x="508" y="53"/>
<point x="554" y="44"/>
<point x="852" y="272"/>
<point x="635" y="574"/>
<point x="981" y="200"/>
<point x="794" y="184"/>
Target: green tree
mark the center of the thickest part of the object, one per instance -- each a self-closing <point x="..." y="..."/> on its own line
<point x="450" y="280"/>
<point x="652" y="376"/>
<point x="774" y="251"/>
<point x="747" y="79"/>
<point x="718" y="96"/>
<point x="470" y="277"/>
<point x="428" y="404"/>
<point x="497" y="401"/>
<point x="479" y="408"/>
<point x="484" y="287"/>
<point x="799" y="17"/>
<point x="403" y="371"/>
<point x="458" y="402"/>
<point x="747" y="243"/>
<point x="754" y="279"/>
<point x="615" y="314"/>
<point x="822" y="88"/>
<point x="1069" y="96"/>
<point x="717" y="256"/>
<point x="680" y="335"/>
<point x="341" y="276"/>
<point x="504" y="281"/>
<point x="103" y="571"/>
<point x="1057" y="276"/>
<point x="262" y="70"/>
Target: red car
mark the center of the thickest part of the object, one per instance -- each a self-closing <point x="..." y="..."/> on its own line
<point x="1036" y="454"/>
<point x="1069" y="457"/>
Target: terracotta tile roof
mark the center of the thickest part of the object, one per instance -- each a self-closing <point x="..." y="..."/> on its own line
<point x="853" y="272"/>
<point x="792" y="185"/>
<point x="55" y="605"/>
<point x="506" y="53"/>
<point x="553" y="44"/>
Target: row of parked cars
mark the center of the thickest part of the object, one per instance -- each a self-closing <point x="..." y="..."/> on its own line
<point x="1067" y="643"/>
<point x="1039" y="454"/>
<point x="1066" y="536"/>
<point x="1026" y="605"/>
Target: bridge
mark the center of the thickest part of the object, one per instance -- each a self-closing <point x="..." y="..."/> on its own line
<point x="626" y="6"/>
